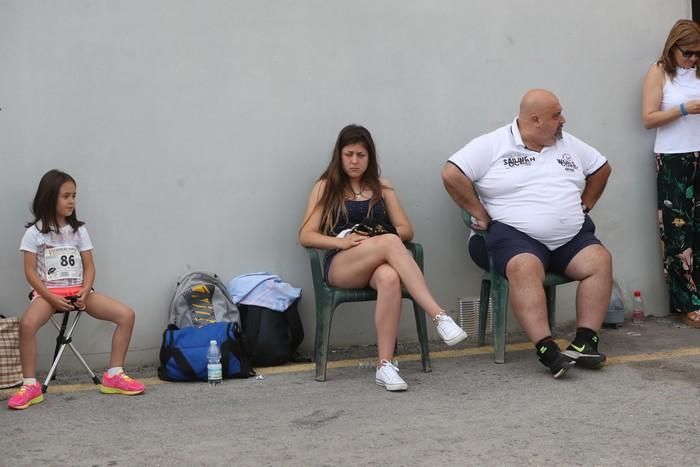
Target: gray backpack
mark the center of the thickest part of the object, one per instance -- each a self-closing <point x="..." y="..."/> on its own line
<point x="200" y="299"/>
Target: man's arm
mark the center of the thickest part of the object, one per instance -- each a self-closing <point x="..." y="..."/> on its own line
<point x="595" y="184"/>
<point x="461" y="190"/>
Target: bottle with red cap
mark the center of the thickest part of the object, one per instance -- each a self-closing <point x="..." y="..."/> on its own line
<point x="637" y="307"/>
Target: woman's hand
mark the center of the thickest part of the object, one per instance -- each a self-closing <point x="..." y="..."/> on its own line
<point x="352" y="240"/>
<point x="693" y="107"/>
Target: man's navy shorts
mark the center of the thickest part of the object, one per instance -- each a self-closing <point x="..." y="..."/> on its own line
<point x="503" y="242"/>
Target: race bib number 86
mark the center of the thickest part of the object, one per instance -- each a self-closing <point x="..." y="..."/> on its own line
<point x="63" y="263"/>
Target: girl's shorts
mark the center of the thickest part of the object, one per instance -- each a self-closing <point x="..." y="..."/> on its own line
<point x="60" y="291"/>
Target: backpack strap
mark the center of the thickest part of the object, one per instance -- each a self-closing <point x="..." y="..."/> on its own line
<point x="232" y="345"/>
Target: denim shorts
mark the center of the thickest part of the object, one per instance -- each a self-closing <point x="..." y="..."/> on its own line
<point x="327" y="263"/>
<point x="503" y="242"/>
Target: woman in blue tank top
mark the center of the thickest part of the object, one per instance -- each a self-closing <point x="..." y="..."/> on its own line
<point x="348" y="191"/>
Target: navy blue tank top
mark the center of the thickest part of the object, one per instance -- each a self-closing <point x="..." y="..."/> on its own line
<point x="359" y="210"/>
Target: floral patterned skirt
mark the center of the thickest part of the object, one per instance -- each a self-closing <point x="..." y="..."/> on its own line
<point x="677" y="181"/>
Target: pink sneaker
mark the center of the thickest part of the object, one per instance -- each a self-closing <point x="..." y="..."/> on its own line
<point x="27" y="395"/>
<point x="121" y="384"/>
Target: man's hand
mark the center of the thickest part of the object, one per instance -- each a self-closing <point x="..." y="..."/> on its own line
<point x="480" y="224"/>
<point x="461" y="190"/>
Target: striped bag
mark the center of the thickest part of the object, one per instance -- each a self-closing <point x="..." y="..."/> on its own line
<point x="10" y="364"/>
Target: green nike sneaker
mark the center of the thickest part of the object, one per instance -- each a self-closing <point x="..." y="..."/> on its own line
<point x="586" y="355"/>
<point x="551" y="357"/>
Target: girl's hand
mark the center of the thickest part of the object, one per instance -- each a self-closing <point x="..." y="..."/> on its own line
<point x="80" y="302"/>
<point x="352" y="240"/>
<point x="61" y="303"/>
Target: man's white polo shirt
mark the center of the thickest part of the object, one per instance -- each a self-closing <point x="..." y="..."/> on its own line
<point x="538" y="193"/>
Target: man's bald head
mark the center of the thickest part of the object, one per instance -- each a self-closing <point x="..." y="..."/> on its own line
<point x="540" y="120"/>
<point x="536" y="101"/>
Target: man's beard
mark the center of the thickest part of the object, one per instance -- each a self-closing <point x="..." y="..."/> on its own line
<point x="560" y="132"/>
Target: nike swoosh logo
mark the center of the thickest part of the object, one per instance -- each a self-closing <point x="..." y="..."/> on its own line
<point x="578" y="349"/>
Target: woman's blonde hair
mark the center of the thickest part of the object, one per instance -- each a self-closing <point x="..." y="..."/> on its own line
<point x="684" y="33"/>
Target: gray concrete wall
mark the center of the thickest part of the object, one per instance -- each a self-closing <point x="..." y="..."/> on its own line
<point x="196" y="129"/>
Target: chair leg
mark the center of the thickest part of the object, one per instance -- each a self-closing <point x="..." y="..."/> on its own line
<point x="551" y="295"/>
<point x="324" y="315"/>
<point x="484" y="309"/>
<point x="499" y="294"/>
<point x="422" y="328"/>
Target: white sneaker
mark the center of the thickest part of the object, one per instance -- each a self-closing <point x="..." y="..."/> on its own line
<point x="448" y="329"/>
<point x="388" y="376"/>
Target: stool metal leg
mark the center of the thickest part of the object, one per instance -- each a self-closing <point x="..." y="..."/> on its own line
<point x="63" y="340"/>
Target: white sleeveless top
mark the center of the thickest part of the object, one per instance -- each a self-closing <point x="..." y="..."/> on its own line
<point x="683" y="134"/>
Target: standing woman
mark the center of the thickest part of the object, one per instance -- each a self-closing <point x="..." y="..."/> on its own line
<point x="671" y="104"/>
<point x="349" y="191"/>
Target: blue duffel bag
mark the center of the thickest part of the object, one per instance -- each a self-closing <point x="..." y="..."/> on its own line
<point x="183" y="353"/>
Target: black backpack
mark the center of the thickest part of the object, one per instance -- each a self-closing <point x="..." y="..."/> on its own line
<point x="271" y="337"/>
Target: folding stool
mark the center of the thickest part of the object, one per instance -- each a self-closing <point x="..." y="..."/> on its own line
<point x="62" y="340"/>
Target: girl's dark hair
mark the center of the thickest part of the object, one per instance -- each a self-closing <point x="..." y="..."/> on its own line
<point x="337" y="181"/>
<point x="45" y="200"/>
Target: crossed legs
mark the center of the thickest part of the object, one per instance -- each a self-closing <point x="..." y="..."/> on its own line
<point x="384" y="264"/>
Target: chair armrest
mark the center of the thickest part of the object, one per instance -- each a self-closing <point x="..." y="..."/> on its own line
<point x="316" y="272"/>
<point x="467" y="218"/>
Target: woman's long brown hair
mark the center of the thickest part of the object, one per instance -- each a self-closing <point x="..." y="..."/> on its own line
<point x="338" y="187"/>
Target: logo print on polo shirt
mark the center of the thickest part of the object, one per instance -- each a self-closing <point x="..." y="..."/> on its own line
<point x="566" y="162"/>
<point x="517" y="159"/>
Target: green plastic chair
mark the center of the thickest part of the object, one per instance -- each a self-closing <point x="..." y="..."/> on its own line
<point x="495" y="285"/>
<point x="328" y="298"/>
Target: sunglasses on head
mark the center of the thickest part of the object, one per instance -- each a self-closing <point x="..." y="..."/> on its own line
<point x="689" y="53"/>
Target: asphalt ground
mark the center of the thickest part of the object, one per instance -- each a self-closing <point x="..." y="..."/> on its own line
<point x="641" y="409"/>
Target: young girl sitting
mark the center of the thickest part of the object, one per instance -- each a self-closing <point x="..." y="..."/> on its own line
<point x="58" y="265"/>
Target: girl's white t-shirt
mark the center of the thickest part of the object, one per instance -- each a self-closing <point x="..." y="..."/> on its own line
<point x="58" y="261"/>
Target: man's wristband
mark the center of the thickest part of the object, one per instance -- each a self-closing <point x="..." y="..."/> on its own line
<point x="585" y="208"/>
<point x="683" y="111"/>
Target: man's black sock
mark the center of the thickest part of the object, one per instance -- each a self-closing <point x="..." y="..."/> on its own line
<point x="547" y="349"/>
<point x="585" y="336"/>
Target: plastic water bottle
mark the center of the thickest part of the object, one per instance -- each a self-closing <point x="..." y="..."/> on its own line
<point x="637" y="307"/>
<point x="213" y="363"/>
<point x="615" y="316"/>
